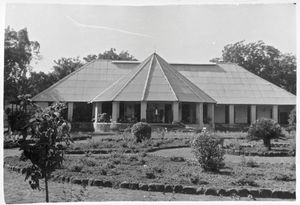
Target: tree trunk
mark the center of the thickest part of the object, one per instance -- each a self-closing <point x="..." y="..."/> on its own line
<point x="46" y="187"/>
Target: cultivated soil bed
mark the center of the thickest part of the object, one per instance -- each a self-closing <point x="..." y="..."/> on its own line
<point x="145" y="168"/>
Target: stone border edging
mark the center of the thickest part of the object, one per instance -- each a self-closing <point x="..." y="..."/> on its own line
<point x="262" y="154"/>
<point x="156" y="187"/>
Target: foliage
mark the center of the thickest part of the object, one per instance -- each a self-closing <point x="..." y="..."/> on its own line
<point x="292" y="119"/>
<point x="249" y="163"/>
<point x="284" y="177"/>
<point x="19" y="118"/>
<point x="19" y="51"/>
<point x="141" y="131"/>
<point x="104" y="117"/>
<point x="243" y="181"/>
<point x="50" y="133"/>
<point x="264" y="61"/>
<point x="265" y="129"/>
<point x="208" y="151"/>
<point x="65" y="66"/>
<point x="20" y="79"/>
<point x="112" y="55"/>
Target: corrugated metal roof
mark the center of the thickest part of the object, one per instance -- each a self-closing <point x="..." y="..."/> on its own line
<point x="225" y="83"/>
<point x="231" y="84"/>
<point x="153" y="80"/>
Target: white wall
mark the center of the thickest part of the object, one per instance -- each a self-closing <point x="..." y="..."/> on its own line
<point x="220" y="114"/>
<point x="240" y="113"/>
<point x="263" y="111"/>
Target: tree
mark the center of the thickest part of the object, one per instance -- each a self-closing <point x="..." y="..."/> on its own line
<point x="90" y="58"/>
<point x="65" y="66"/>
<point x="19" y="51"/>
<point x="50" y="135"/>
<point x="265" y="129"/>
<point x="39" y="81"/>
<point x="112" y="55"/>
<point x="264" y="61"/>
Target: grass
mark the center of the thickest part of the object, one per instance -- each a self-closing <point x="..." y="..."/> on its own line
<point x="125" y="142"/>
<point x="146" y="168"/>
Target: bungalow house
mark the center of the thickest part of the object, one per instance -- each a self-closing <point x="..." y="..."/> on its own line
<point x="160" y="92"/>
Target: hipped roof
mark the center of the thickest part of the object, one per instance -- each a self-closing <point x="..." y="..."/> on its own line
<point x="153" y="80"/>
<point x="226" y="83"/>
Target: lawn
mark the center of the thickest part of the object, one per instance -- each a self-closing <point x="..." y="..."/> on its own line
<point x="146" y="168"/>
<point x="173" y="166"/>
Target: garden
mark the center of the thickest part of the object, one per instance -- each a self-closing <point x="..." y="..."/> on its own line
<point x="211" y="163"/>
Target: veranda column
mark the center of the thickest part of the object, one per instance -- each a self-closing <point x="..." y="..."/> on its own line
<point x="97" y="110"/>
<point x="199" y="114"/>
<point x="212" y="115"/>
<point x="231" y="114"/>
<point x="175" y="108"/>
<point x="253" y="113"/>
<point x="143" y="110"/>
<point x="275" y="113"/>
<point x="70" y="111"/>
<point x="180" y="113"/>
<point x="115" y="111"/>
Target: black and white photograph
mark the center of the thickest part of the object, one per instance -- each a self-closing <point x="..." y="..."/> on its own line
<point x="149" y="101"/>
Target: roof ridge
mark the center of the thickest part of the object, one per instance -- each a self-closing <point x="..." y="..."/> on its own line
<point x="134" y="75"/>
<point x="147" y="80"/>
<point x="107" y="89"/>
<point x="167" y="79"/>
<point x="66" y="77"/>
<point x="187" y="82"/>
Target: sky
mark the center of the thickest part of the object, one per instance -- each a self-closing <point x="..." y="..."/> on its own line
<point x="178" y="33"/>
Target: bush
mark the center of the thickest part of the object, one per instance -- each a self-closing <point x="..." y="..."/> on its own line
<point x="292" y="120"/>
<point x="114" y="127"/>
<point x="76" y="167"/>
<point x="141" y="131"/>
<point x="265" y="129"/>
<point x="208" y="152"/>
<point x="249" y="163"/>
<point x="284" y="177"/>
<point x="245" y="182"/>
<point x="103" y="117"/>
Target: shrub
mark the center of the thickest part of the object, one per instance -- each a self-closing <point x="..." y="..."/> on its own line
<point x="208" y="152"/>
<point x="292" y="119"/>
<point x="265" y="129"/>
<point x="76" y="167"/>
<point x="90" y="162"/>
<point x="177" y="159"/>
<point x="114" y="127"/>
<point x="249" y="163"/>
<point x="284" y="177"/>
<point x="194" y="179"/>
<point x="141" y="131"/>
<point x="150" y="174"/>
<point x="245" y="182"/>
<point x="178" y="124"/>
<point x="103" y="117"/>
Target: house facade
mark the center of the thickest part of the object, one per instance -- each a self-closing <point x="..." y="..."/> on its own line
<point x="159" y="92"/>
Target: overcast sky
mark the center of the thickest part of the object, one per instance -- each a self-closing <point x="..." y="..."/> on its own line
<point x="177" y="33"/>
